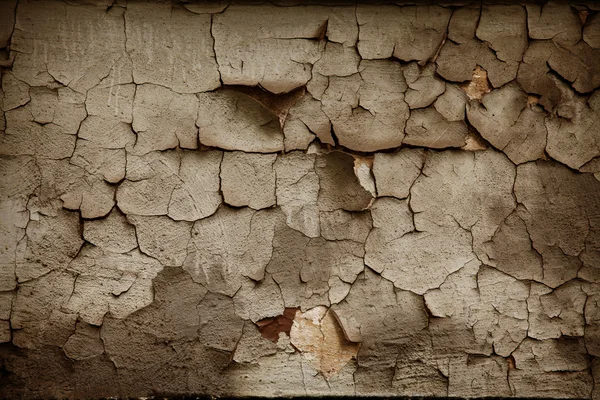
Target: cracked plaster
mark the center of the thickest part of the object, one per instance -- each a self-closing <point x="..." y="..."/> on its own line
<point x="282" y="200"/>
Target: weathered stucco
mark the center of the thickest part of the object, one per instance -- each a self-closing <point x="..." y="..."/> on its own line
<point x="281" y="199"/>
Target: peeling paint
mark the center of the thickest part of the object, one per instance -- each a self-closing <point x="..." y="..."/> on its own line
<point x="319" y="337"/>
<point x="293" y="200"/>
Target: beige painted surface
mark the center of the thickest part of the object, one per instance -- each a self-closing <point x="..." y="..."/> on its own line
<point x="289" y="200"/>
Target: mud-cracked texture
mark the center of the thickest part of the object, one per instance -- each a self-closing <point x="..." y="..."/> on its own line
<point x="284" y="199"/>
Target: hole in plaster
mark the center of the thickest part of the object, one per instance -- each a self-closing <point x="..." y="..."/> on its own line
<point x="478" y="86"/>
<point x="318" y="335"/>
<point x="270" y="328"/>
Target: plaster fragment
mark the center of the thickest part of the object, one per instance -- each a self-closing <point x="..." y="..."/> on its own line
<point x="460" y="56"/>
<point x="36" y="315"/>
<point x="423" y="85"/>
<point x="504" y="28"/>
<point x="342" y="26"/>
<point x="112" y="100"/>
<point x="557" y="312"/>
<point x="345" y="225"/>
<point x="573" y="140"/>
<point x="480" y="310"/>
<point x="340" y="188"/>
<point x="252" y="346"/>
<point x="109" y="108"/>
<point x="230" y="245"/>
<point x="555" y="20"/>
<point x="337" y="60"/>
<point x="410" y="33"/>
<point x="570" y="64"/>
<point x="184" y="185"/>
<point x="274" y="48"/>
<point x="554" y="215"/>
<point x="303" y="267"/>
<point x="306" y="120"/>
<point x="15" y="92"/>
<point x="385" y="316"/>
<point x="472" y="374"/>
<point x="362" y="170"/>
<point x="107" y="133"/>
<point x="112" y="233"/>
<point x="428" y="128"/>
<point x="463" y="23"/>
<point x="451" y="104"/>
<point x="349" y="325"/>
<point x="535" y="75"/>
<point x="551" y="368"/>
<point x="591" y="31"/>
<point x="317" y="85"/>
<point x="511" y="251"/>
<point x="257" y="301"/>
<point x="163" y="119"/>
<point x="161" y="54"/>
<point x="97" y="160"/>
<point x="482" y="199"/>
<point x="198" y="194"/>
<point x="225" y="335"/>
<point x="92" y="196"/>
<point x="46" y="126"/>
<point x="297" y="190"/>
<point x="85" y="343"/>
<point x="41" y="43"/>
<point x="504" y="312"/>
<point x="162" y="238"/>
<point x="338" y="289"/>
<point x="49" y="244"/>
<point x="248" y="179"/>
<point x="369" y="104"/>
<point x="395" y="238"/>
<point x="107" y="282"/>
<point x="504" y="119"/>
<point x="235" y="121"/>
<point x="396" y="172"/>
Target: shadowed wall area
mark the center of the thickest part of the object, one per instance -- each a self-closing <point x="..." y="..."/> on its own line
<point x="285" y="199"/>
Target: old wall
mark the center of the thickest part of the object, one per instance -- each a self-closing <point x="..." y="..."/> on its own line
<point x="278" y="199"/>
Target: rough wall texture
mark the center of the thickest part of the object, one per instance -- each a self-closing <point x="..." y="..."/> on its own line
<point x="280" y="199"/>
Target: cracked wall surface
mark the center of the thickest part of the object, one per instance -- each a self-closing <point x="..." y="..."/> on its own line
<point x="289" y="199"/>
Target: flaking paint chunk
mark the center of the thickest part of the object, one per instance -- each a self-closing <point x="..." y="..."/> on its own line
<point x="273" y="48"/>
<point x="232" y="120"/>
<point x="319" y="337"/>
